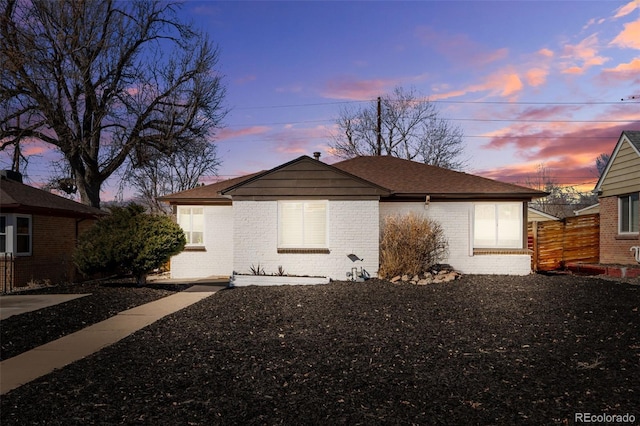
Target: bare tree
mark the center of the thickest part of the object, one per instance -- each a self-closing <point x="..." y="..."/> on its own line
<point x="104" y="81"/>
<point x="601" y="163"/>
<point x="164" y="174"/>
<point x="404" y="126"/>
<point x="562" y="201"/>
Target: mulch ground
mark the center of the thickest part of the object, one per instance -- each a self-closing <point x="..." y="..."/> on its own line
<point x="481" y="350"/>
<point x="20" y="333"/>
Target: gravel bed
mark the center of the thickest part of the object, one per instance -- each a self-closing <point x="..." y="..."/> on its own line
<point x="480" y="350"/>
<point x="20" y="333"/>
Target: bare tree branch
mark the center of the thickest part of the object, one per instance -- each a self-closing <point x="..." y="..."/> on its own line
<point x="411" y="128"/>
<point x="99" y="81"/>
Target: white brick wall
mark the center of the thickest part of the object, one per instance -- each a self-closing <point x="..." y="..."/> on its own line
<point x="455" y="219"/>
<point x="245" y="234"/>
<point x="353" y="228"/>
<point x="218" y="243"/>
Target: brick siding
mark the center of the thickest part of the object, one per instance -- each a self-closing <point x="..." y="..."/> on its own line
<point x="353" y="228"/>
<point x="53" y="242"/>
<point x="215" y="257"/>
<point x="614" y="248"/>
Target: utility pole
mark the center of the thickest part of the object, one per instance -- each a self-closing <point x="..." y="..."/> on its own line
<point x="379" y="128"/>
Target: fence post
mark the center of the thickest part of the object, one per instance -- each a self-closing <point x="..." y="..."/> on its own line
<point x="534" y="243"/>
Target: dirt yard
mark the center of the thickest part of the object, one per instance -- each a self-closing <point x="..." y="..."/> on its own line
<point x="480" y="350"/>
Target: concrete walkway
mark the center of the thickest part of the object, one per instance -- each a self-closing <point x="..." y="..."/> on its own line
<point x="19" y="304"/>
<point x="30" y="365"/>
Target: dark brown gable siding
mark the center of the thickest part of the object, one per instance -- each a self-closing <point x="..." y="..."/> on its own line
<point x="304" y="178"/>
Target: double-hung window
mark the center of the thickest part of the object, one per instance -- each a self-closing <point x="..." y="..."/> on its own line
<point x="23" y="235"/>
<point x="191" y="220"/>
<point x="629" y="214"/>
<point x="16" y="235"/>
<point x="498" y="225"/>
<point x="3" y="234"/>
<point x="302" y="224"/>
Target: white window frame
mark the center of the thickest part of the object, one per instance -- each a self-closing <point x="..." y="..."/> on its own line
<point x="11" y="234"/>
<point x="282" y="244"/>
<point x="188" y="225"/>
<point x="495" y="228"/>
<point x="630" y="213"/>
<point x="4" y="233"/>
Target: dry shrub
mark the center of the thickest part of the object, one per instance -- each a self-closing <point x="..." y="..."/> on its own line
<point x="410" y="244"/>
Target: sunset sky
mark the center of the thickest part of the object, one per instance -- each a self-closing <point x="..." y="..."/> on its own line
<point x="529" y="82"/>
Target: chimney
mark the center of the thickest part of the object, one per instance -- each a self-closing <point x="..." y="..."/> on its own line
<point x="11" y="175"/>
<point x="316" y="155"/>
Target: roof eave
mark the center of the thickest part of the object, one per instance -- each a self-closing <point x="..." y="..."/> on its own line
<point x="472" y="195"/>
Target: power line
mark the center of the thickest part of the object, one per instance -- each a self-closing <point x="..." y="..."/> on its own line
<point x="442" y="101"/>
<point x="487" y="120"/>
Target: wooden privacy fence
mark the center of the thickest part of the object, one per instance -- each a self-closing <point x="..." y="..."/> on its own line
<point x="555" y="242"/>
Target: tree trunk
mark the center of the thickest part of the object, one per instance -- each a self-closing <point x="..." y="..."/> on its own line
<point x="89" y="192"/>
<point x="141" y="280"/>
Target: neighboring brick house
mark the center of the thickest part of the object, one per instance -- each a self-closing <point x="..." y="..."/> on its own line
<point x="308" y="217"/>
<point x="619" y="191"/>
<point x="38" y="233"/>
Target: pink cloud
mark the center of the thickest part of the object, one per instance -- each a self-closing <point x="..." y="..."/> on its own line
<point x="581" y="56"/>
<point x="536" y="76"/>
<point x="459" y="48"/>
<point x="570" y="148"/>
<point x="353" y="89"/>
<point x="627" y="9"/>
<point x="504" y="83"/>
<point x="623" y="72"/>
<point x="629" y="37"/>
<point x="245" y="79"/>
<point x="226" y="133"/>
<point x="546" y="52"/>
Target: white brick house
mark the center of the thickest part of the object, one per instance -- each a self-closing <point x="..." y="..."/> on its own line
<point x="307" y="217"/>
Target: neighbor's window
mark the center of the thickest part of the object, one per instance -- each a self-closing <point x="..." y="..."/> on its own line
<point x="629" y="214"/>
<point x="191" y="220"/>
<point x="302" y="224"/>
<point x="23" y="235"/>
<point x="3" y="234"/>
<point x="497" y="225"/>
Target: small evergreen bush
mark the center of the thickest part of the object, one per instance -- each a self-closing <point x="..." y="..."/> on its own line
<point x="410" y="244"/>
<point x="128" y="241"/>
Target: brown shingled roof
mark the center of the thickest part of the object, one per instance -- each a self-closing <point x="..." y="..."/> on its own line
<point x="20" y="198"/>
<point x="207" y="193"/>
<point x="403" y="178"/>
<point x="410" y="178"/>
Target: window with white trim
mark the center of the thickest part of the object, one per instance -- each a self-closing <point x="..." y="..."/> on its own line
<point x="3" y="234"/>
<point x="191" y="220"/>
<point x="629" y="214"/>
<point x="498" y="225"/>
<point x="16" y="234"/>
<point x="302" y="224"/>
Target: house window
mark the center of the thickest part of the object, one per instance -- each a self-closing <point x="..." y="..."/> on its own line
<point x="629" y="214"/>
<point x="191" y="220"/>
<point x="498" y="225"/>
<point x="302" y="224"/>
<point x="23" y="235"/>
<point x="3" y="234"/>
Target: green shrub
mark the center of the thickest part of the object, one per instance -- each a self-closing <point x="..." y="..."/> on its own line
<point x="410" y="244"/>
<point x="128" y="241"/>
